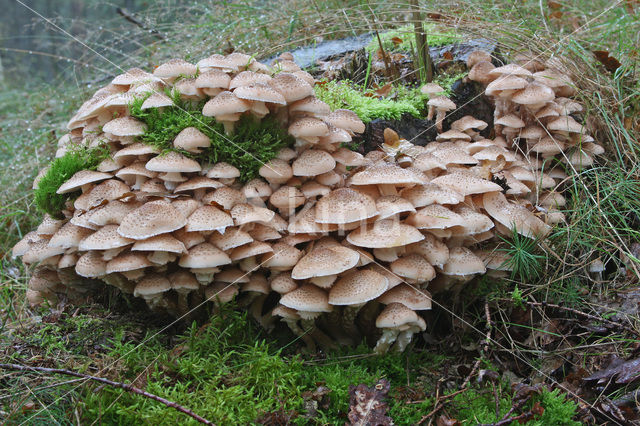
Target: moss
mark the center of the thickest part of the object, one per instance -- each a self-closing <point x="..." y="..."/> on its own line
<point x="252" y="144"/>
<point x="342" y="94"/>
<point x="403" y="39"/>
<point x="61" y="169"/>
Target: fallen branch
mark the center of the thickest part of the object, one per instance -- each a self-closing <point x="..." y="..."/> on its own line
<point x="120" y="385"/>
<point x="135" y="21"/>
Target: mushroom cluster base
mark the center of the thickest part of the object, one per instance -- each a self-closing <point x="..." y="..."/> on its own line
<point x="351" y="245"/>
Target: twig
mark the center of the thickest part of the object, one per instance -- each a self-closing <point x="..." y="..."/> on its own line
<point x="120" y="385"/>
<point x="585" y="315"/>
<point x="439" y="405"/>
<point x="135" y="21"/>
<point x="425" y="62"/>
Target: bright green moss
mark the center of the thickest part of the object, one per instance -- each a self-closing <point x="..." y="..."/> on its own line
<point x="253" y="143"/>
<point x="60" y="170"/>
<point x="435" y="37"/>
<point x="342" y="94"/>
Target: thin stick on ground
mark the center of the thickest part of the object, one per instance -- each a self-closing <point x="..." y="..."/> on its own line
<point x="125" y="386"/>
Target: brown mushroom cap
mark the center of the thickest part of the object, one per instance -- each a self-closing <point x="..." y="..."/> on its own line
<point x="395" y="315"/>
<point x="163" y="242"/>
<point x="345" y="119"/>
<point x="357" y="287"/>
<point x="80" y="179"/>
<point x="385" y="233"/>
<point x="208" y="218"/>
<point x="434" y="216"/>
<point x="466" y="183"/>
<point x="463" y="261"/>
<point x="409" y="296"/>
<point x="325" y="261"/>
<point x="290" y="86"/>
<point x="128" y="261"/>
<point x="151" y="285"/>
<point x="414" y="267"/>
<point x="152" y="218"/>
<point x="204" y="255"/>
<point x="307" y="298"/>
<point x="313" y="162"/>
<point x="91" y="265"/>
<point x="344" y="205"/>
<point x="513" y="215"/>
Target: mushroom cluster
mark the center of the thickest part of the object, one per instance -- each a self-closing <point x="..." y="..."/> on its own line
<point x="336" y="244"/>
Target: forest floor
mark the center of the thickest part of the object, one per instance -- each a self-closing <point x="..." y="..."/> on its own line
<point x="554" y="344"/>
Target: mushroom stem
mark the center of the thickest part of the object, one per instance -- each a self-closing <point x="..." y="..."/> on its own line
<point x="349" y="321"/>
<point x="439" y="119"/>
<point x="334" y="325"/>
<point x="385" y="341"/>
<point x="432" y="110"/>
<point x="183" y="302"/>
<point x="255" y="309"/>
<point x="306" y="338"/>
<point x="404" y="338"/>
<point x="228" y="127"/>
<point x="387" y="189"/>
<point x="318" y="335"/>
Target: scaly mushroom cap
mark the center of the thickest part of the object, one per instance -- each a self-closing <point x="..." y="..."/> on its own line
<point x="80" y="179"/>
<point x="430" y="193"/>
<point x="435" y="216"/>
<point x="152" y="218"/>
<point x="129" y="261"/>
<point x="283" y="258"/>
<point x="431" y="248"/>
<point x="208" y="218"/>
<point x="173" y="162"/>
<point x="69" y="236"/>
<point x="466" y="183"/>
<point x="260" y="92"/>
<point x="204" y="255"/>
<point x="345" y="119"/>
<point x="463" y="261"/>
<point x="386" y="173"/>
<point x="125" y="126"/>
<point x="175" y="68"/>
<point x="91" y="265"/>
<point x="225" y="103"/>
<point x="151" y="285"/>
<point x="313" y="162"/>
<point x="395" y="315"/>
<point x="105" y="238"/>
<point x="344" y="205"/>
<point x="231" y="238"/>
<point x="291" y="87"/>
<point x="414" y="267"/>
<point x="164" y="242"/>
<point x="325" y="261"/>
<point x="357" y="287"/>
<point x="409" y="296"/>
<point x="514" y="215"/>
<point x="191" y="139"/>
<point x="307" y="298"/>
<point x="385" y="233"/>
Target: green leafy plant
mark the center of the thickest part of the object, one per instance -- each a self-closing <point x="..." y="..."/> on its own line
<point x="78" y="158"/>
<point x="525" y="259"/>
<point x="253" y="143"/>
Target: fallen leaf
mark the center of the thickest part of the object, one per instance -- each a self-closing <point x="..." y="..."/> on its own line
<point x="367" y="405"/>
<point x="396" y="40"/>
<point x="618" y="371"/>
<point x="609" y="62"/>
<point x="556" y="14"/>
<point x="554" y="5"/>
<point x="448" y="56"/>
<point x="446" y="421"/>
<point x="384" y="90"/>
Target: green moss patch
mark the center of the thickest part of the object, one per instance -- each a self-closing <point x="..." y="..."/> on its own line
<point x="403" y="39"/>
<point x="253" y="143"/>
<point x="61" y="170"/>
<point x="368" y="106"/>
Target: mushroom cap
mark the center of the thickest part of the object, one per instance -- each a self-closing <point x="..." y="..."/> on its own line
<point x="566" y="123"/>
<point x="385" y="233"/>
<point x="231" y="238"/>
<point x="291" y="87"/>
<point x="431" y="89"/>
<point x="39" y="251"/>
<point x="307" y="298"/>
<point x="463" y="261"/>
<point x="252" y="249"/>
<point x="246" y="213"/>
<point x="191" y="139"/>
<point x="213" y="79"/>
<point x="414" y="267"/>
<point x="357" y="287"/>
<point x="198" y="182"/>
<point x="507" y="82"/>
<point x="173" y="162"/>
<point x="325" y="261"/>
<point x="344" y="205"/>
<point x="91" y="265"/>
<point x="284" y="312"/>
<point x="284" y="257"/>
<point x="311" y="105"/>
<point x="395" y="315"/>
<point x="276" y="171"/>
<point x="431" y="248"/>
<point x="81" y="178"/>
<point x="435" y="216"/>
<point x="163" y="242"/>
<point x="468" y="122"/>
<point x="135" y="150"/>
<point x="150" y="219"/>
<point x="305" y="222"/>
<point x="208" y="218"/>
<point x="183" y="280"/>
<point x="510" y="120"/>
<point x="345" y="119"/>
<point x="259" y="92"/>
<point x="473" y="222"/>
<point x="510" y="69"/>
<point x="111" y="213"/>
<point x="102" y="193"/>
<point x="128" y="261"/>
<point x="223" y="170"/>
<point x="247" y="78"/>
<point x="232" y="275"/>
<point x="151" y="285"/>
<point x="513" y="215"/>
<point x="466" y="183"/>
<point x="174" y="68"/>
<point x="105" y="238"/>
<point x="69" y="235"/>
<point x="313" y="162"/>
<point x="534" y="93"/>
<point x="390" y="205"/>
<point x="287" y="197"/>
<point x="125" y="126"/>
<point x="257" y="283"/>
<point x="225" y="103"/>
<point x="430" y="193"/>
<point x="409" y="296"/>
<point x="386" y="173"/>
<point x="132" y="76"/>
<point x="308" y="127"/>
<point x="204" y="255"/>
<point x="156" y="100"/>
<point x="221" y="292"/>
<point x="442" y="103"/>
<point x="282" y="283"/>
